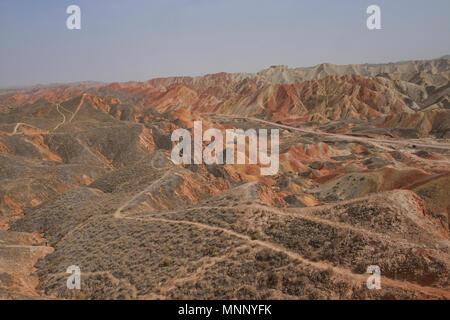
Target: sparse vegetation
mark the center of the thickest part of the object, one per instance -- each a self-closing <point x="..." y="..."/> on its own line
<point x="104" y="194"/>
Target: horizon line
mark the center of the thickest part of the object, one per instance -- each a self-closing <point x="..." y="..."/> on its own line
<point x="100" y="82"/>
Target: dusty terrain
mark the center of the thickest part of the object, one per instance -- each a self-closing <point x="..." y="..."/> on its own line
<point x="87" y="180"/>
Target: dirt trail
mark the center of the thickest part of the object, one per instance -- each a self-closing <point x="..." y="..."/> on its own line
<point x="206" y="262"/>
<point x="59" y="124"/>
<point x="359" y="278"/>
<point x="118" y="214"/>
<point x="338" y="135"/>
<point x="95" y="155"/>
<point x="349" y="137"/>
<point x="63" y="120"/>
<point x="24" y="124"/>
<point x="309" y="217"/>
<point x="78" y="107"/>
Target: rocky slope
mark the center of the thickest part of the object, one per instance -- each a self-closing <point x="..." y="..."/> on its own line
<point x="87" y="180"/>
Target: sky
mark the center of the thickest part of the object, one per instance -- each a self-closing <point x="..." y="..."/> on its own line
<point x="143" y="39"/>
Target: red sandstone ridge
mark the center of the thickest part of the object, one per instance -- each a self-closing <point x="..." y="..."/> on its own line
<point x="330" y="98"/>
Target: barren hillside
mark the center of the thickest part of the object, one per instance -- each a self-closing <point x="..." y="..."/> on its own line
<point x="87" y="180"/>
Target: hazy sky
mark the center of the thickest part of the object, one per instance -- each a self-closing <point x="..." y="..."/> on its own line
<point x="141" y="39"/>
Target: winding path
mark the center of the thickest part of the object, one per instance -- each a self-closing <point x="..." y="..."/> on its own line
<point x="339" y="135"/>
<point x="61" y="113"/>
<point x="24" y="124"/>
<point x="64" y="118"/>
<point x="359" y="278"/>
<point x="78" y="107"/>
